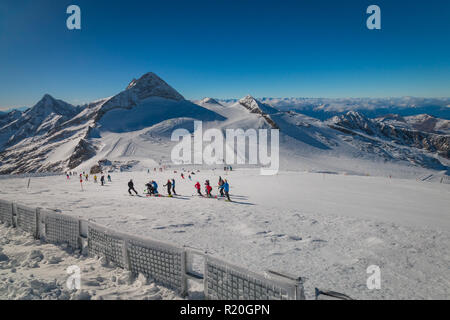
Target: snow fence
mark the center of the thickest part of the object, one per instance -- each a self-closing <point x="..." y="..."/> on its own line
<point x="6" y="213"/>
<point x="29" y="175"/>
<point x="224" y="281"/>
<point x="168" y="264"/>
<point x="26" y="218"/>
<point x="107" y="243"/>
<point x="59" y="229"/>
<point x="163" y="262"/>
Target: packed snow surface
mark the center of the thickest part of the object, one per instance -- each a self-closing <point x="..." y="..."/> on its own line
<point x="327" y="228"/>
<point x="33" y="270"/>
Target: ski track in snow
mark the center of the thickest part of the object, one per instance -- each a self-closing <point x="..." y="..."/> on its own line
<point x="326" y="228"/>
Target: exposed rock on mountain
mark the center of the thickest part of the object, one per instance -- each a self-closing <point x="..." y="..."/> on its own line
<point x="46" y="115"/>
<point x="254" y="106"/>
<point x="401" y="135"/>
<point x="82" y="152"/>
<point x="427" y="123"/>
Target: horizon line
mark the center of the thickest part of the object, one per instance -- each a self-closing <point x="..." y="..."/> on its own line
<point x="8" y="109"/>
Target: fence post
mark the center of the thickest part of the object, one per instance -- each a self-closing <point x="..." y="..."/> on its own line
<point x="36" y="231"/>
<point x="300" y="290"/>
<point x="185" y="286"/>
<point x="14" y="215"/>
<point x="300" y="293"/>
<point x="40" y="224"/>
<point x="205" y="276"/>
<point x="126" y="256"/>
<point x="83" y="235"/>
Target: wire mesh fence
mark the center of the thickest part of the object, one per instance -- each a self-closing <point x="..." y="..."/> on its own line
<point x="163" y="262"/>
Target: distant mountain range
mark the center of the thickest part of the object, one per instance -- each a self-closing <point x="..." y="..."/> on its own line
<point x="326" y="108"/>
<point x="132" y="130"/>
<point x="13" y="109"/>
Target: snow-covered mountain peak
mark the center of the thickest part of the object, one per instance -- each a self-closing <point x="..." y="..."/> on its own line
<point x="48" y="105"/>
<point x="352" y="117"/>
<point x="47" y="97"/>
<point x="254" y="106"/>
<point x="250" y="103"/>
<point x="354" y="120"/>
<point x="46" y="101"/>
<point x="209" y="101"/>
<point x="147" y="86"/>
<point x="150" y="85"/>
<point x="355" y="115"/>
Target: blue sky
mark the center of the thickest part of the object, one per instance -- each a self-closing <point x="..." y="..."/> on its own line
<point x="224" y="49"/>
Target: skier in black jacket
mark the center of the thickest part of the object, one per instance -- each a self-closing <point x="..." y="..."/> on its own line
<point x="149" y="188"/>
<point x="131" y="187"/>
<point x="169" y="187"/>
<point x="221" y="183"/>
<point x="173" y="187"/>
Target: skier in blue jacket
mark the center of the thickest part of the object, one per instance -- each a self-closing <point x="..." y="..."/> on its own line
<point x="226" y="188"/>
<point x="155" y="187"/>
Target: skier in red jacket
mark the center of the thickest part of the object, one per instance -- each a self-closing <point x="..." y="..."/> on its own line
<point x="208" y="188"/>
<point x="198" y="187"/>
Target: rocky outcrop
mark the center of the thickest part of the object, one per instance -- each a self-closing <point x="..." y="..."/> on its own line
<point x="45" y="116"/>
<point x="96" y="169"/>
<point x="83" y="151"/>
<point x="402" y="135"/>
<point x="254" y="106"/>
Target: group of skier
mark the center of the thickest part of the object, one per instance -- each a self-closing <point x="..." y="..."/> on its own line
<point x="223" y="185"/>
<point x="170" y="187"/>
<point x="152" y="188"/>
<point x="102" y="179"/>
<point x="85" y="177"/>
